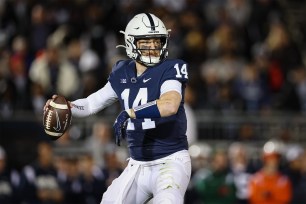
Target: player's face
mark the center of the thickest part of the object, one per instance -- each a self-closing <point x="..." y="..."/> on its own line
<point x="149" y="47"/>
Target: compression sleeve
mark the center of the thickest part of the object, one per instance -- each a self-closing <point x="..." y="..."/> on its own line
<point x="94" y="102"/>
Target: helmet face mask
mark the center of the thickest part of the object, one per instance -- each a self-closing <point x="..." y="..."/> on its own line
<point x="146" y="27"/>
<point x="148" y="54"/>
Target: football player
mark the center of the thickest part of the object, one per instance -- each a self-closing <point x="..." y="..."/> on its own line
<point x="150" y="89"/>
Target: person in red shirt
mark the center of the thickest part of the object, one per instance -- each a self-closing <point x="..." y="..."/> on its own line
<point x="269" y="185"/>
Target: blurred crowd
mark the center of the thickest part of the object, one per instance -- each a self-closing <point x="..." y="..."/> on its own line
<point x="240" y="52"/>
<point x="242" y="58"/>
<point x="239" y="173"/>
<point x="63" y="172"/>
<point x="66" y="172"/>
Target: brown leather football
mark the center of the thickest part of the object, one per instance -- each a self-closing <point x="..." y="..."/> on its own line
<point x="57" y="117"/>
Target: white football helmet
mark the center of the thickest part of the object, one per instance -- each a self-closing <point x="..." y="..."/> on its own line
<point x="145" y="26"/>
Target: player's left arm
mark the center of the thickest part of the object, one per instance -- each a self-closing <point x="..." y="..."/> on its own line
<point x="167" y="105"/>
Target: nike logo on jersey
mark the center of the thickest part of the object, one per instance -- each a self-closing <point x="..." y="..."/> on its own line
<point x="146" y="80"/>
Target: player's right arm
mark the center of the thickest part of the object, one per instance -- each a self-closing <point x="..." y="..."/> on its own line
<point x="93" y="103"/>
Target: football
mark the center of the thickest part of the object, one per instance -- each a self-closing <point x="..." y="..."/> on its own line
<point x="57" y="117"/>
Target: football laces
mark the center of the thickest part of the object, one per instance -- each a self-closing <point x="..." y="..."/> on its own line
<point x="48" y="119"/>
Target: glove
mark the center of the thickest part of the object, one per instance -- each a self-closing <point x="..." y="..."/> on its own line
<point x="120" y="126"/>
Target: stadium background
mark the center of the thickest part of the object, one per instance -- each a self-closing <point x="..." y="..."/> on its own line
<point x="247" y="76"/>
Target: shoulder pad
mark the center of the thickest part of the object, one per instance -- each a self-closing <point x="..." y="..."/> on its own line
<point x="119" y="64"/>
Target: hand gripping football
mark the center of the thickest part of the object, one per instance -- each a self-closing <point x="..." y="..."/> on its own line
<point x="57" y="117"/>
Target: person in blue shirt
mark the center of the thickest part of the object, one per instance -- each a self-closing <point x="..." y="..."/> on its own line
<point x="150" y="89"/>
<point x="9" y="181"/>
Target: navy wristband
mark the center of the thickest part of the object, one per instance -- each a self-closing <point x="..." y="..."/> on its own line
<point x="148" y="110"/>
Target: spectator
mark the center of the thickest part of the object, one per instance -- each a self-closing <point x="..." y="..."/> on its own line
<point x="70" y="182"/>
<point x="218" y="186"/>
<point x="294" y="170"/>
<point x="284" y="54"/>
<point x="39" y="29"/>
<point x="269" y="185"/>
<point x="87" y="63"/>
<point x="39" y="183"/>
<point x="300" y="193"/>
<point x="200" y="154"/>
<point x="252" y="89"/>
<point x="262" y="13"/>
<point x="223" y="65"/>
<point x="241" y="169"/>
<point x="9" y="181"/>
<point x="92" y="179"/>
<point x="52" y="73"/>
<point x="19" y="65"/>
<point x="113" y="166"/>
<point x="7" y="95"/>
<point x="238" y="11"/>
<point x="98" y="141"/>
<point x="299" y="79"/>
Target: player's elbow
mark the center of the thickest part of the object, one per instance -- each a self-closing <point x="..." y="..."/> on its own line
<point x="169" y="103"/>
<point x="171" y="109"/>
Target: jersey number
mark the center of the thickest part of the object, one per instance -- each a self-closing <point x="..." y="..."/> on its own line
<point x="181" y="72"/>
<point x="141" y="98"/>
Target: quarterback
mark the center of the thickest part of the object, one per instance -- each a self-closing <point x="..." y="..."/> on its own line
<point x="150" y="89"/>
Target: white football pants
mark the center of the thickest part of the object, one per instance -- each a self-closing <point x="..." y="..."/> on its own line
<point x="164" y="179"/>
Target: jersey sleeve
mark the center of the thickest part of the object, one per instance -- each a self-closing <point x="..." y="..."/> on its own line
<point x="171" y="85"/>
<point x="176" y="70"/>
<point x="94" y="102"/>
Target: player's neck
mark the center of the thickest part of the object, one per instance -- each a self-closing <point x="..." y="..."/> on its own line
<point x="140" y="69"/>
